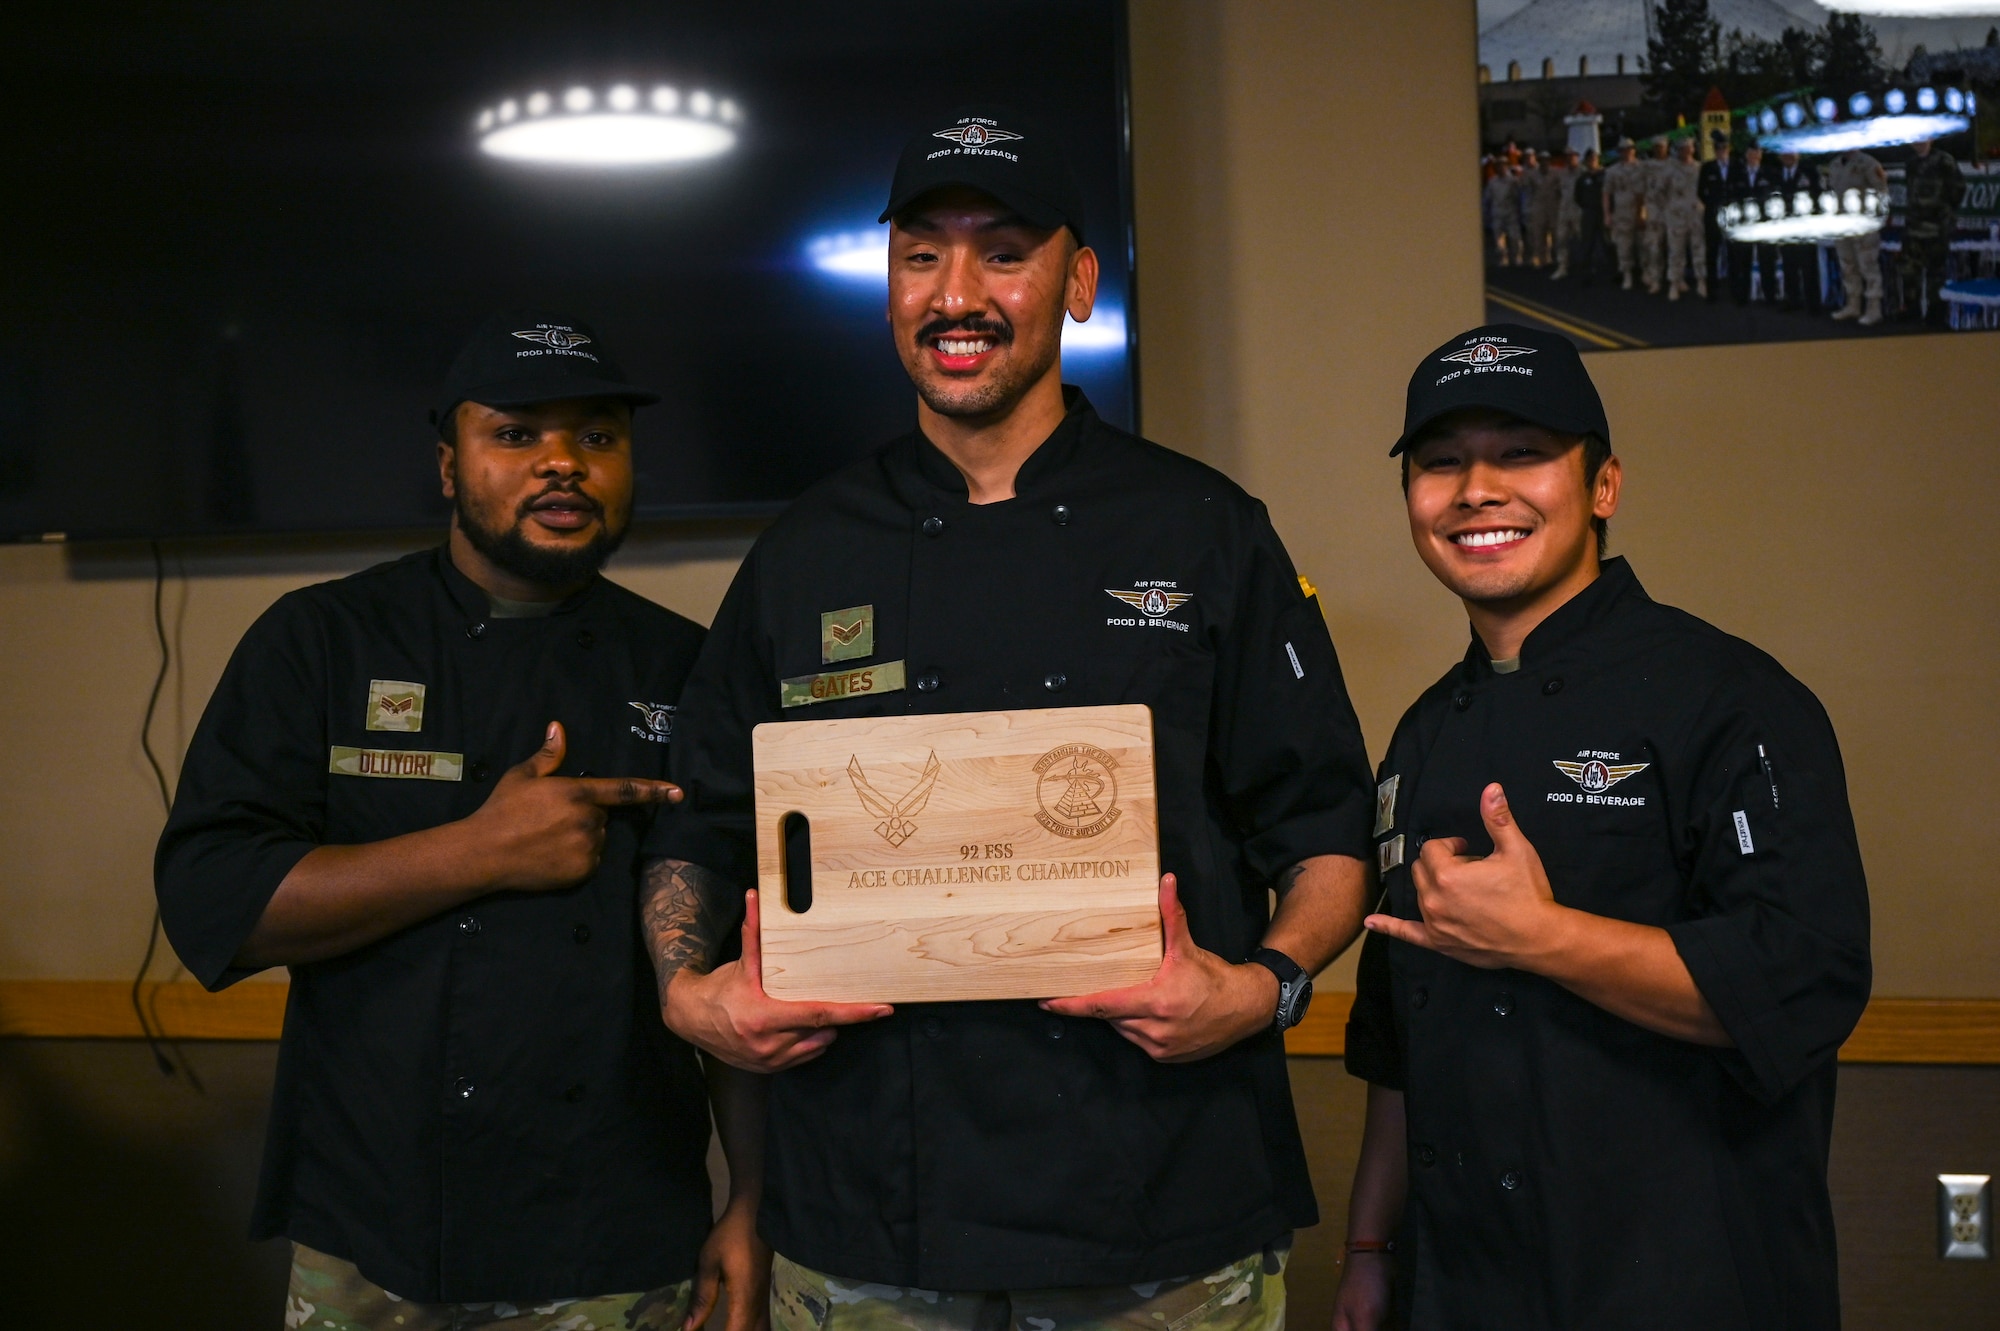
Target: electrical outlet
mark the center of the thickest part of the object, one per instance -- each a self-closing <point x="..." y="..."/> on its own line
<point x="1965" y="1216"/>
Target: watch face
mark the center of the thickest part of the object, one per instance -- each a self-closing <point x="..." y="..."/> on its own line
<point x="1293" y="1000"/>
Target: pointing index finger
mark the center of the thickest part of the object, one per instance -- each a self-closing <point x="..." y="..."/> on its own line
<point x="617" y="791"/>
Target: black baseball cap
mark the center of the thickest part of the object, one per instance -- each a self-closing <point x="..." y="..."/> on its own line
<point x="1506" y="367"/>
<point x="520" y="357"/>
<point x="997" y="152"/>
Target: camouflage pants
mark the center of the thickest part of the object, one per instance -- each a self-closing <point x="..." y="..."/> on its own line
<point x="1624" y="235"/>
<point x="1244" y="1296"/>
<point x="1541" y="236"/>
<point x="1921" y="265"/>
<point x="1860" y="266"/>
<point x="1653" y="250"/>
<point x="1686" y="242"/>
<point x="327" y="1292"/>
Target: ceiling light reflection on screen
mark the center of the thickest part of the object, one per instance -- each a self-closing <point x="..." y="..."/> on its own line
<point x="1103" y="335"/>
<point x="615" y="131"/>
<point x="1875" y="132"/>
<point x="856" y="256"/>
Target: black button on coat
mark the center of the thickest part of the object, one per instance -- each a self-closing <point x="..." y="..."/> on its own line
<point x="1591" y="1173"/>
<point x="420" y="1125"/>
<point x="959" y="1146"/>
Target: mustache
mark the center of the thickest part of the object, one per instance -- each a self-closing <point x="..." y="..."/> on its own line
<point x="1001" y="333"/>
<point x="575" y="492"/>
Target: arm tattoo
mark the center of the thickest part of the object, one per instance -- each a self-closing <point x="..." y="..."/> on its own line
<point x="686" y="912"/>
<point x="1289" y="877"/>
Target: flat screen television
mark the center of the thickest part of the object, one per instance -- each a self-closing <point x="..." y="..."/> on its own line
<point x="245" y="239"/>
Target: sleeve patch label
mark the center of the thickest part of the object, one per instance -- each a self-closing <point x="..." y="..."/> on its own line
<point x="1743" y="834"/>
<point x="1298" y="671"/>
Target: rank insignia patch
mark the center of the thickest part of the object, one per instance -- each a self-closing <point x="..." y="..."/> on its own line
<point x="395" y="704"/>
<point x="1385" y="804"/>
<point x="1596" y="777"/>
<point x="847" y="635"/>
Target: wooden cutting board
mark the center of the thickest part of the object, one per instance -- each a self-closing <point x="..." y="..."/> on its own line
<point x="972" y="855"/>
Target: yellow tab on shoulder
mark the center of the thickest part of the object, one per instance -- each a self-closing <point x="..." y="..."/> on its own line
<point x="399" y="764"/>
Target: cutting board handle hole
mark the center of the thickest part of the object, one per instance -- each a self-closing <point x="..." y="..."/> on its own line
<point x="797" y="867"/>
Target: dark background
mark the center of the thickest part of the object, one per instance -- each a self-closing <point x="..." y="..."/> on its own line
<point x="245" y="240"/>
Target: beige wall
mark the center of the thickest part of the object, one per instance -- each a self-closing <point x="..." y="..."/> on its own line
<point x="1305" y="235"/>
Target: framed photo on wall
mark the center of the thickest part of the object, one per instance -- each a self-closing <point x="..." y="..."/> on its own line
<point x="1686" y="172"/>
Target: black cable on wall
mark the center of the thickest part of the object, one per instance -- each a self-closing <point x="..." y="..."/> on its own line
<point x="155" y="1033"/>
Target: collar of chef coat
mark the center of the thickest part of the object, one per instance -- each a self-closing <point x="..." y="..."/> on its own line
<point x="1055" y="452"/>
<point x="472" y="600"/>
<point x="1571" y="620"/>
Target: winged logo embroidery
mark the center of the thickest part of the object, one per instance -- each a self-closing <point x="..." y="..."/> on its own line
<point x="659" y="719"/>
<point x="1152" y="602"/>
<point x="896" y="826"/>
<point x="397" y="706"/>
<point x="1488" y="353"/>
<point x="848" y="634"/>
<point x="975" y="134"/>
<point x="559" y="338"/>
<point x="1595" y="776"/>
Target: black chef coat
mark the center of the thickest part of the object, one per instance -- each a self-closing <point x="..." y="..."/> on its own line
<point x="485" y="1105"/>
<point x="1567" y="1168"/>
<point x="993" y="1145"/>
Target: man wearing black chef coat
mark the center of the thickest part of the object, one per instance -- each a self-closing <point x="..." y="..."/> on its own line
<point x="1624" y="929"/>
<point x="1126" y="1157"/>
<point x="423" y="788"/>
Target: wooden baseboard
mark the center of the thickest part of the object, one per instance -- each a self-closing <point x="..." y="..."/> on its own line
<point x="102" y="1009"/>
<point x="1893" y="1030"/>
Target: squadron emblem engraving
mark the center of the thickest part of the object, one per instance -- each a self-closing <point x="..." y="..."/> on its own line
<point x="1076" y="790"/>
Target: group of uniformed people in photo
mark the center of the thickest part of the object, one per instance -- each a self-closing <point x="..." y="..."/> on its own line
<point x="494" y="813"/>
<point x="1658" y="221"/>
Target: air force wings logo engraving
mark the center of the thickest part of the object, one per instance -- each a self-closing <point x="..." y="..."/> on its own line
<point x="1596" y="777"/>
<point x="896" y="826"/>
<point x="976" y="135"/>
<point x="1152" y="602"/>
<point x="1488" y="353"/>
<point x="561" y="339"/>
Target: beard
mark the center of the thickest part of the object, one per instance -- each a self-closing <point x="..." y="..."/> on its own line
<point x="1006" y="386"/>
<point x="510" y="549"/>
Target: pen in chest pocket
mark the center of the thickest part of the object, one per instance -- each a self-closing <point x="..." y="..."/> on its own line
<point x="1764" y="765"/>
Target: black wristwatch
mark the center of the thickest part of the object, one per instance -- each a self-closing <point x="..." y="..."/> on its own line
<point x="1295" y="987"/>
